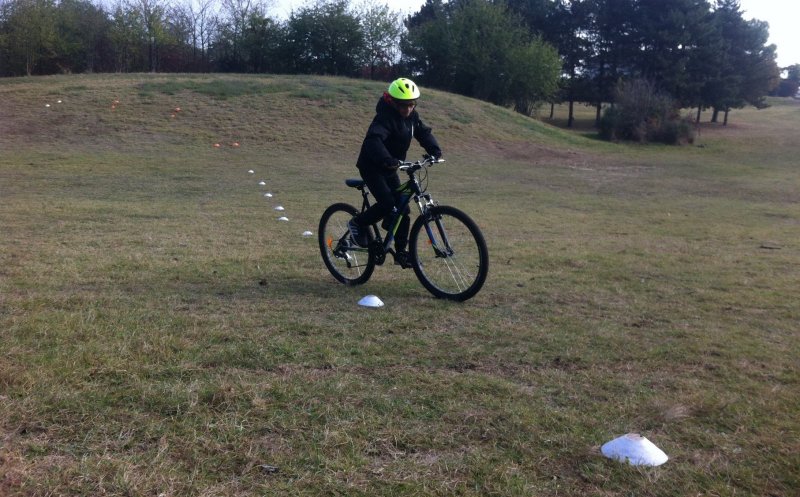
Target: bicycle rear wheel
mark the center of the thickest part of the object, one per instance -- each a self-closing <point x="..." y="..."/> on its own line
<point x="348" y="264"/>
<point x="449" y="255"/>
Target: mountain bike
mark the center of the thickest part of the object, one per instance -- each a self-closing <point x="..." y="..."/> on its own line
<point x="447" y="250"/>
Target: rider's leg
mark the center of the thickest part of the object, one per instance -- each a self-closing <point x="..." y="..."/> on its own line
<point x="401" y="237"/>
<point x="382" y="188"/>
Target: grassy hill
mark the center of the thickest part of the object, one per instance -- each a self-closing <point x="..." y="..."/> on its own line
<point x="161" y="333"/>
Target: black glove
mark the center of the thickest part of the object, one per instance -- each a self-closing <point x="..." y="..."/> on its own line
<point x="391" y="165"/>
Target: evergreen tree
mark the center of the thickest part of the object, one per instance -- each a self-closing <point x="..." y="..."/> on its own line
<point x="611" y="32"/>
<point x="570" y="21"/>
<point x="673" y="37"/>
<point x="747" y="67"/>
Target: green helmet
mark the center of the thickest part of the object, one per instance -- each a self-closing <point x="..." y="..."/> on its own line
<point x="403" y="89"/>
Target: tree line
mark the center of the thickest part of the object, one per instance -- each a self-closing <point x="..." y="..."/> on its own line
<point x="518" y="53"/>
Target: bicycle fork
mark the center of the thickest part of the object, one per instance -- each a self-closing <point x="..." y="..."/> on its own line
<point x="425" y="203"/>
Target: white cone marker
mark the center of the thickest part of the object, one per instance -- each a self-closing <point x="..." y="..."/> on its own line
<point x="634" y="449"/>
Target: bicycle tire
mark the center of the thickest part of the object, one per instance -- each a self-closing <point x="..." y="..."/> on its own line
<point x="452" y="267"/>
<point x="351" y="267"/>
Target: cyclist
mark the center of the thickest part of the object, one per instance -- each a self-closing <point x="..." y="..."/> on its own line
<point x="384" y="148"/>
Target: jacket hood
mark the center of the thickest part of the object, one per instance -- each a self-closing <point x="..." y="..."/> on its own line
<point x="385" y="108"/>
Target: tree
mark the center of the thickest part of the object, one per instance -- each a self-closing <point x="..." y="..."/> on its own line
<point x="262" y="43"/>
<point x="479" y="49"/>
<point x="534" y="75"/>
<point x="82" y="37"/>
<point x="429" y="47"/>
<point x="30" y="35"/>
<point x="201" y="22"/>
<point x="570" y="23"/>
<point x="673" y="38"/>
<point x="325" y="39"/>
<point x="611" y="32"/>
<point x="152" y="19"/>
<point x="538" y="15"/>
<point x="229" y="42"/>
<point x="789" y="85"/>
<point x="382" y="29"/>
<point x="748" y="71"/>
<point x="126" y="34"/>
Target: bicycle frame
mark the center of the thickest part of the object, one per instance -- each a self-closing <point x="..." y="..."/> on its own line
<point x="409" y="190"/>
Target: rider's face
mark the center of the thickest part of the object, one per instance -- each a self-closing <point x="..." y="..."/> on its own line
<point x="405" y="107"/>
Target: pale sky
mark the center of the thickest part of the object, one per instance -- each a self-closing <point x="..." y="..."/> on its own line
<point x="783" y="17"/>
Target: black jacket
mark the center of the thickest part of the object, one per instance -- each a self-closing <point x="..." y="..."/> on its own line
<point x="389" y="137"/>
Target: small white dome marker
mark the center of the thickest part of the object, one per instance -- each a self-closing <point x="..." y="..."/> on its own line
<point x="370" y="301"/>
<point x="251" y="171"/>
<point x="262" y="183"/>
<point x="268" y="195"/>
<point x="283" y="218"/>
<point x="279" y="208"/>
<point x="307" y="233"/>
<point x="634" y="449"/>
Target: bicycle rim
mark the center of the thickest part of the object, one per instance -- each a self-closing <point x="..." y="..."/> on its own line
<point x="349" y="265"/>
<point x="450" y="256"/>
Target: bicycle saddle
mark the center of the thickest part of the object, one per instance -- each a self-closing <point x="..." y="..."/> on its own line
<point x="355" y="183"/>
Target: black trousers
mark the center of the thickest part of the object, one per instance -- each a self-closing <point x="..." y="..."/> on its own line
<point x="383" y="187"/>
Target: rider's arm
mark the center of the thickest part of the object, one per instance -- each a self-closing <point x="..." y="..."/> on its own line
<point x="424" y="135"/>
<point x="374" y="144"/>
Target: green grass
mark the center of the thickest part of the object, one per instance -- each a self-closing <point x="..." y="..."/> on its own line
<point x="162" y="334"/>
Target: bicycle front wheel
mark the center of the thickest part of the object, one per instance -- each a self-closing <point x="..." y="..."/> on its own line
<point x="449" y="253"/>
<point x="348" y="264"/>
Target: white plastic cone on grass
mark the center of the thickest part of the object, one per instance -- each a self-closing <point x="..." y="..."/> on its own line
<point x="262" y="183"/>
<point x="635" y="450"/>
<point x="307" y="233"/>
<point x="283" y="218"/>
<point x="279" y="208"/>
<point x="370" y="301"/>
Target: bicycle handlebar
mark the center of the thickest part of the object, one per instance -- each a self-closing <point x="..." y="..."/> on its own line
<point x="417" y="165"/>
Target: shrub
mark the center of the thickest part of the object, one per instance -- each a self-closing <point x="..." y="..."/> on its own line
<point x="642" y="113"/>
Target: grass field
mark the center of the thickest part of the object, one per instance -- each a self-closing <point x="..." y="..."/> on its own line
<point x="161" y="333"/>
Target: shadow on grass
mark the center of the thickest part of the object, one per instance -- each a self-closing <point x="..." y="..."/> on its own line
<point x="255" y="287"/>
